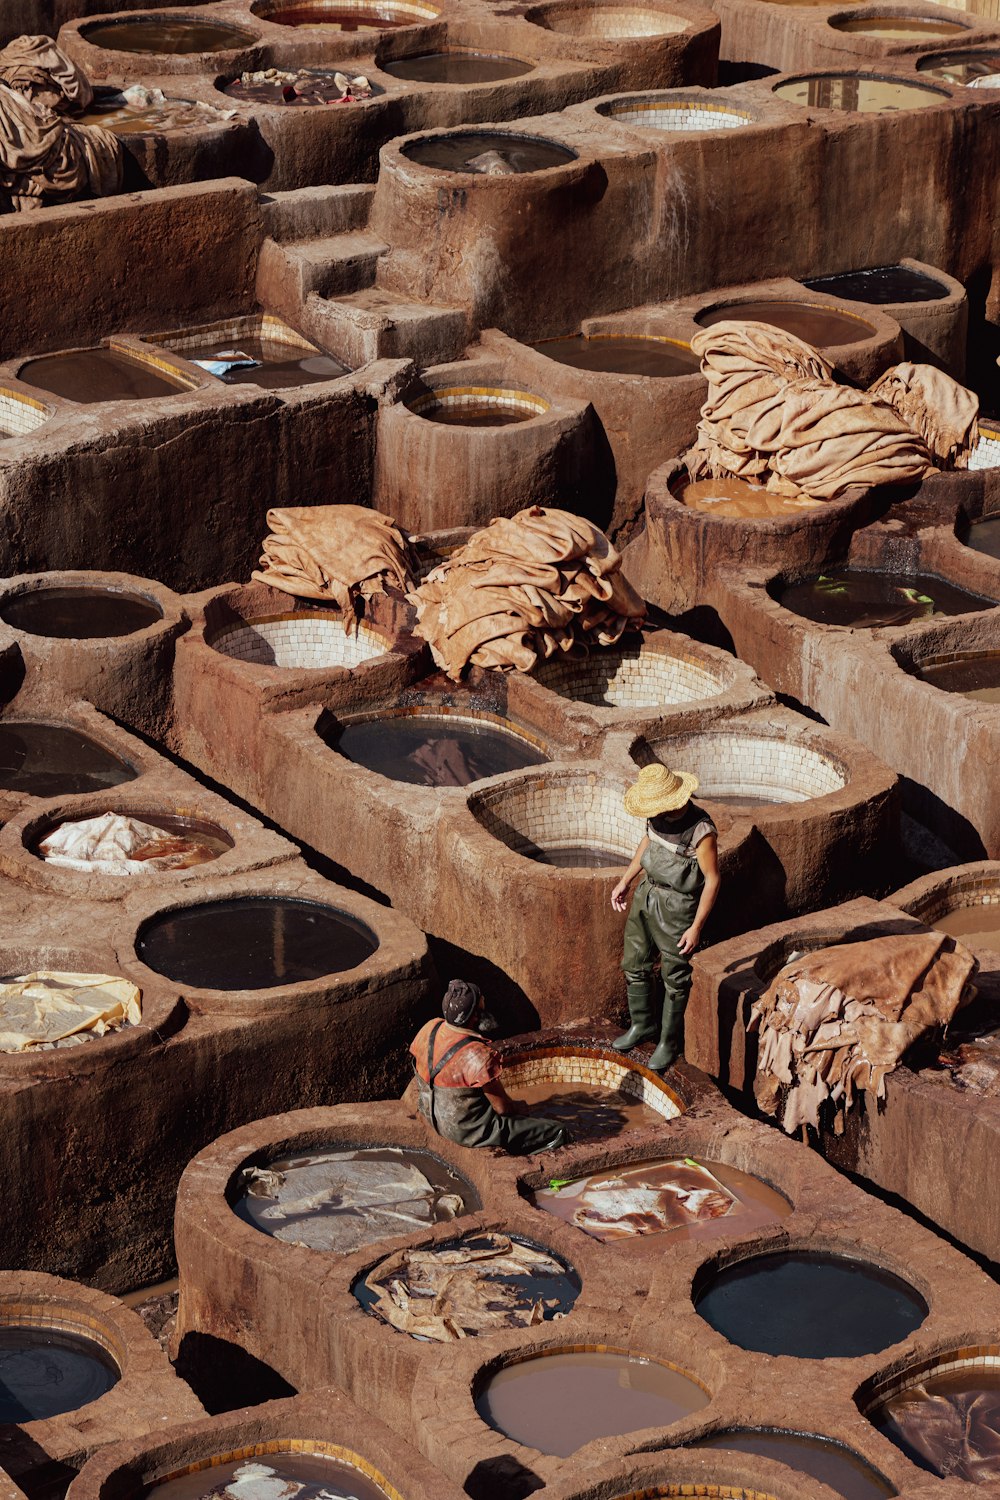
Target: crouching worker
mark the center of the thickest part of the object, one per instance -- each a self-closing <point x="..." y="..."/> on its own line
<point x="679" y="862"/>
<point x="458" y="1075"/>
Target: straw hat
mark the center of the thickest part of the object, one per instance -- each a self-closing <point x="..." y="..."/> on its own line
<point x="659" y="790"/>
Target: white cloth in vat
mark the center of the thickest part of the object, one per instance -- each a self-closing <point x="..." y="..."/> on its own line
<point x="341" y="553"/>
<point x="341" y="1201"/>
<point x="50" y="1008"/>
<point x="257" y="1481"/>
<point x="115" y="845"/>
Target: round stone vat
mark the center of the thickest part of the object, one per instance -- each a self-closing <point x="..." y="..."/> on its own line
<point x="337" y="1198"/>
<point x="838" y="1467"/>
<point x="670" y="112"/>
<point x="897" y="26"/>
<point x="611" y="23"/>
<point x="302" y="639"/>
<point x="297" y="1468"/>
<point x="90" y="376"/>
<point x="742" y="769"/>
<point x="576" y="823"/>
<point x="172" y="34"/>
<point x="457" y="66"/>
<point x="312" y="87"/>
<point x="562" y="1398"/>
<point x="684" y="1198"/>
<point x="595" y="1095"/>
<point x="862" y="599"/>
<point x="20" y="414"/>
<point x="432" y="745"/>
<point x="622" y="354"/>
<point x="175" y="843"/>
<point x="972" y="674"/>
<point x="41" y="759"/>
<point x="780" y="1304"/>
<point x="735" y="499"/>
<point x="52" y="1360"/>
<point x="253" y="942"/>
<point x="346" y="15"/>
<point x="960" y="67"/>
<point x="864" y="93"/>
<point x="479" y="406"/>
<point x="479" y="1283"/>
<point x="488" y="153"/>
<point x="634" y="676"/>
<point x="882" y="286"/>
<point x="943" y="1413"/>
<point x="820" y="324"/>
<point x="78" y="611"/>
<point x="964" y="904"/>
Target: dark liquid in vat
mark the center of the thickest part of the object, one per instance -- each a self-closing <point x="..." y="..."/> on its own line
<point x="658" y="358"/>
<point x="558" y="1402"/>
<point x="881" y="285"/>
<point x="843" y="1471"/>
<point x="811" y="1306"/>
<point x="576" y="857"/>
<point x="984" y="536"/>
<point x="318" y="1476"/>
<point x="253" y="943"/>
<point x="282" y="365"/>
<point x="854" y="597"/>
<point x="853" y="92"/>
<point x="588" y="1111"/>
<point x="610" y="1206"/>
<point x="79" y="614"/>
<point x="823" y="327"/>
<point x="48" y="760"/>
<point x="960" y="67"/>
<point x="912" y="28"/>
<point x="44" y="1372"/>
<point x="948" y="1423"/>
<point x="90" y="375"/>
<point x="452" y="153"/>
<point x="343" y="18"/>
<point x="976" y="926"/>
<point x="976" y="677"/>
<point x="471" y="414"/>
<point x="456" y="67"/>
<point x="426" y="751"/>
<point x="162" y="34"/>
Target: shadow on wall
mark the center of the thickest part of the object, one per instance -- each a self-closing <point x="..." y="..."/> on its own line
<point x="225" y="1377"/>
<point x="505" y="999"/>
<point x="504" y="1475"/>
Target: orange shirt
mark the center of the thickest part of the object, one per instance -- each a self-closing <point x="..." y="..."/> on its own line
<point x="472" y="1067"/>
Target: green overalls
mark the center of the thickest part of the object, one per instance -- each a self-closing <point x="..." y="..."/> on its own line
<point x="663" y="907"/>
<point x="467" y="1117"/>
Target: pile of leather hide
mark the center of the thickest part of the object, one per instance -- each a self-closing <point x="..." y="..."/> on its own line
<point x="342" y="553"/>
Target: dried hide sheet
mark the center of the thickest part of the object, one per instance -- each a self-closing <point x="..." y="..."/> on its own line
<point x="775" y="416"/>
<point x="458" y="1293"/>
<point x="521" y="590"/>
<point x="339" y="1202"/>
<point x="50" y="1008"/>
<point x="339" y="553"/>
<point x="955" y="1432"/>
<point x="44" y="158"/>
<point x="651" y="1198"/>
<point x="113" y="844"/>
<point x="840" y="1019"/>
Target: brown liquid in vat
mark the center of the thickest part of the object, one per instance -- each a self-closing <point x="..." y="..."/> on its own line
<point x="469" y="414"/>
<point x="558" y="1402"/>
<point x="902" y="28"/>
<point x="80" y="614"/>
<point x="308" y="1476"/>
<point x="854" y="92"/>
<point x="842" y="1470"/>
<point x="453" y="153"/>
<point x="976" y="676"/>
<point x="93" y="375"/>
<point x="960" y="67"/>
<point x="736" y="500"/>
<point x="977" y="926"/>
<point x="429" y="751"/>
<point x="948" y="1423"/>
<point x="657" y="358"/>
<point x="457" y="67"/>
<point x="176" y="36"/>
<point x="588" y="1111"/>
<point x="172" y="114"/>
<point x="984" y="536"/>
<point x="282" y="365"/>
<point x="823" y="327"/>
<point x="346" y="18"/>
<point x="755" y="1203"/>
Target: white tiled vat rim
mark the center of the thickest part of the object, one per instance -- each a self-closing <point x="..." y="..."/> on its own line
<point x="637" y="677"/>
<point x="659" y="112"/>
<point x="480" y="396"/>
<point x="551" y="812"/>
<point x="975" y="1357"/>
<point x="19" y="414"/>
<point x="296" y="642"/>
<point x="615" y="22"/>
<point x="754" y="766"/>
<point x="268" y="329"/>
<point x="986" y="454"/>
<point x="605" y="1072"/>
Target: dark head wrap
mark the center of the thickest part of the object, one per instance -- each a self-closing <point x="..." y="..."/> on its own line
<point x="460" y="1001"/>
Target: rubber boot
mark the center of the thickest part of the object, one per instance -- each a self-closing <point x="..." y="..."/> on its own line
<point x="640" y="1008"/>
<point x="671" y="1044"/>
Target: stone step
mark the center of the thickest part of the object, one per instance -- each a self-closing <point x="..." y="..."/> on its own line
<point x="288" y="274"/>
<point x="312" y="212"/>
<point x="377" y="324"/>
